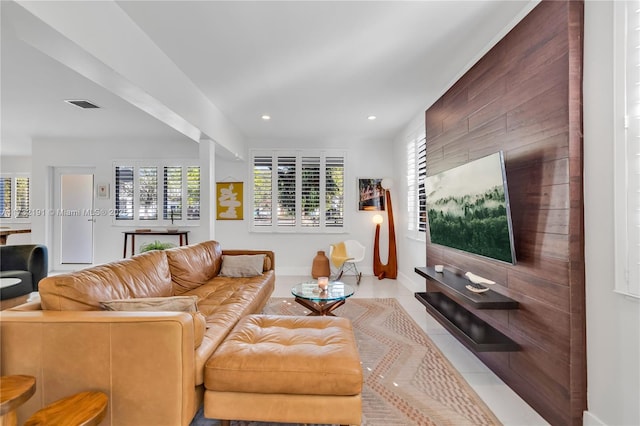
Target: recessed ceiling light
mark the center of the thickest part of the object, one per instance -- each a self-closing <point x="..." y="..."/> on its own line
<point x="266" y="117"/>
<point x="371" y="117"/>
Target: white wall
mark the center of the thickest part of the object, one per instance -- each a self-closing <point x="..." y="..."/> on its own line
<point x="613" y="320"/>
<point x="411" y="251"/>
<point x="294" y="253"/>
<point x="108" y="237"/>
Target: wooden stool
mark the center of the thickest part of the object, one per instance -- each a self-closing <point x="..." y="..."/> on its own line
<point x="14" y="391"/>
<point x="81" y="409"/>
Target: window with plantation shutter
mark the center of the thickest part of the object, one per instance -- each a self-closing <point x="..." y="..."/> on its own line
<point x="416" y="195"/>
<point x="627" y="146"/>
<point x="124" y="189"/>
<point x="334" y="192"/>
<point x="172" y="193"/>
<point x="286" y="191"/>
<point x="14" y="197"/>
<point x="262" y="191"/>
<point x="148" y="189"/>
<point x="310" y="188"/>
<point x="6" y="197"/>
<point x="22" y="197"/>
<point x="422" y="176"/>
<point x="193" y="193"/>
<point x="303" y="191"/>
<point x="156" y="194"/>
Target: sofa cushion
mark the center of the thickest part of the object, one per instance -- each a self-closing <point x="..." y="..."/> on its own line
<point x="144" y="275"/>
<point x="187" y="304"/>
<point x="242" y="265"/>
<point x="191" y="266"/>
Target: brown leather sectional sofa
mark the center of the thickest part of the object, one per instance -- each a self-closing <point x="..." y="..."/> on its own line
<point x="151" y="364"/>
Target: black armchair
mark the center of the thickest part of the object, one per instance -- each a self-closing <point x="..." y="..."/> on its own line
<point x="28" y="262"/>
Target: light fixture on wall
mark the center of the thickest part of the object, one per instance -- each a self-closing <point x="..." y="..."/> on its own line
<point x="390" y="269"/>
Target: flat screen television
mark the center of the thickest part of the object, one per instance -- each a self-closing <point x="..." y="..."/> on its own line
<point x="468" y="209"/>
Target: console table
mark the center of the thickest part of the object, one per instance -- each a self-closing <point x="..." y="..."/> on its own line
<point x="4" y="233"/>
<point x="448" y="308"/>
<point x="184" y="238"/>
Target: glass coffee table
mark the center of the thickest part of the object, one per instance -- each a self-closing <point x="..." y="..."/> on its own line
<point x="322" y="302"/>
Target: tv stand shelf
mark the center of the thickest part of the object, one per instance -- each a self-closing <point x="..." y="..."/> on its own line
<point x="448" y="309"/>
<point x="456" y="285"/>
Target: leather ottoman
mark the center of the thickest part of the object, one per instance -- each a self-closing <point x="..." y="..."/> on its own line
<point x="286" y="369"/>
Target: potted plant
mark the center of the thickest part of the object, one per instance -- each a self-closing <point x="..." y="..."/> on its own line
<point x="155" y="245"/>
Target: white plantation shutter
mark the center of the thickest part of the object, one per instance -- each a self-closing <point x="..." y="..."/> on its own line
<point x="5" y="197"/>
<point x="172" y="207"/>
<point x="416" y="196"/>
<point x="124" y="188"/>
<point x="14" y="197"/>
<point x="334" y="192"/>
<point x="193" y="193"/>
<point x="22" y="197"/>
<point x="310" y="192"/>
<point x="627" y="140"/>
<point x="139" y="186"/>
<point x="303" y="191"/>
<point x="422" y="176"/>
<point x="286" y="191"/>
<point x="148" y="193"/>
<point x="262" y="191"/>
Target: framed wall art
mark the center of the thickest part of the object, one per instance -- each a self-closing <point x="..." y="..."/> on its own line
<point x="370" y="194"/>
<point x="229" y="198"/>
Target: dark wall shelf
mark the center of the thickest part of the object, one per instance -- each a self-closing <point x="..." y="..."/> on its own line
<point x="449" y="308"/>
<point x="473" y="332"/>
<point x="456" y="287"/>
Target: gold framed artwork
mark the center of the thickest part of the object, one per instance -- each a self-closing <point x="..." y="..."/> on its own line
<point x="229" y="199"/>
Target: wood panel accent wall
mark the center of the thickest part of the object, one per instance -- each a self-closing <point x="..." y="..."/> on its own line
<point x="525" y="97"/>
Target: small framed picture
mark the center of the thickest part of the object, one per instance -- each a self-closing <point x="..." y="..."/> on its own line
<point x="103" y="190"/>
<point x="370" y="194"/>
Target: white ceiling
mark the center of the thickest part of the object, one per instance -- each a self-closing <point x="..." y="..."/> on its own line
<point x="318" y="68"/>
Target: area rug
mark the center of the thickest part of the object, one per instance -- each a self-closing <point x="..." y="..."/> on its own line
<point x="407" y="380"/>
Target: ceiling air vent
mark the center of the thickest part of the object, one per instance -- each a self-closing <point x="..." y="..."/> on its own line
<point x="82" y="104"/>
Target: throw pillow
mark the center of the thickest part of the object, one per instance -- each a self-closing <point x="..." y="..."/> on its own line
<point x="243" y="265"/>
<point x="170" y="304"/>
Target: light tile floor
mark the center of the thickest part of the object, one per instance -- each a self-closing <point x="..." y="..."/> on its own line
<point x="505" y="403"/>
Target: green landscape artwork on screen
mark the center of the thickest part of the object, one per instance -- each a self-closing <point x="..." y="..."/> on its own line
<point x="468" y="209"/>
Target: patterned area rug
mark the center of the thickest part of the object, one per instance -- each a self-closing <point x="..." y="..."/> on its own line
<point x="407" y="380"/>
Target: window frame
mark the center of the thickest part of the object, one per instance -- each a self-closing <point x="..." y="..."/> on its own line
<point x="14" y="201"/>
<point x="626" y="126"/>
<point x="299" y="155"/>
<point x="159" y="165"/>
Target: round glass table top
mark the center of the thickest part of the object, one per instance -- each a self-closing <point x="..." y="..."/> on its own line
<point x="336" y="290"/>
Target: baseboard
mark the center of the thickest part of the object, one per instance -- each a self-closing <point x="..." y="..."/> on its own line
<point x="589" y="419"/>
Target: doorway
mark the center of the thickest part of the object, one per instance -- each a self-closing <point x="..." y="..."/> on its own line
<point x="73" y="221"/>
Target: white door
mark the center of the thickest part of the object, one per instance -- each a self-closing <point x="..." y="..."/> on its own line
<point x="74" y="222"/>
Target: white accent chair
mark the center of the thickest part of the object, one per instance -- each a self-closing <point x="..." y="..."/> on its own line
<point x="355" y="252"/>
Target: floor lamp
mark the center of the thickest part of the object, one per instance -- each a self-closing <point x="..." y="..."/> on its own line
<point x="390" y="270"/>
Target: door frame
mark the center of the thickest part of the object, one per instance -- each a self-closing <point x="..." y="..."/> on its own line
<point x="56" y="238"/>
